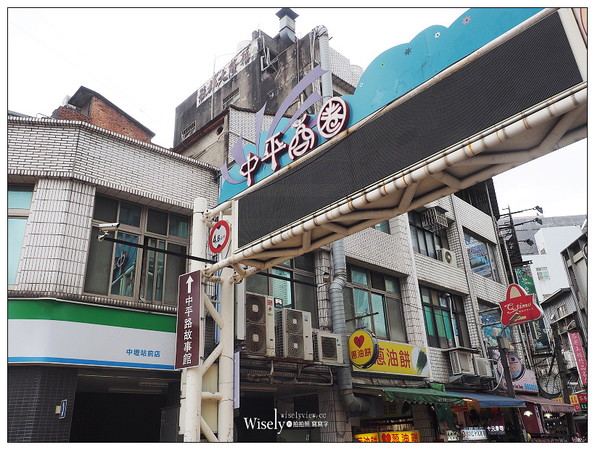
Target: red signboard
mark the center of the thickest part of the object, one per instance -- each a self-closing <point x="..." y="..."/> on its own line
<point x="579" y="356"/>
<point x="519" y="307"/>
<point x="187" y="329"/>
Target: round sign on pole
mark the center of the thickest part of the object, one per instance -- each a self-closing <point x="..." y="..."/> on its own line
<point x="219" y="236"/>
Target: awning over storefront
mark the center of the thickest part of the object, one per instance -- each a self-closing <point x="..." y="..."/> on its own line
<point x="489" y="401"/>
<point x="420" y="395"/>
<point x="547" y="405"/>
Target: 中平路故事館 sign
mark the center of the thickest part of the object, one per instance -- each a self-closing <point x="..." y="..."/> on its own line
<point x="188" y="320"/>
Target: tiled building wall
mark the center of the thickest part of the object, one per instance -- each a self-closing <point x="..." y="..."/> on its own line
<point x="242" y="123"/>
<point x="51" y="148"/>
<point x="54" y="253"/>
<point x="33" y="394"/>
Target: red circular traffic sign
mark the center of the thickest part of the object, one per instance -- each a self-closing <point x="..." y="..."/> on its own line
<point x="219" y="236"/>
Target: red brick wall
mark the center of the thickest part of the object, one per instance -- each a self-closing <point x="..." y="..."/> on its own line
<point x="104" y="116"/>
<point x="64" y="113"/>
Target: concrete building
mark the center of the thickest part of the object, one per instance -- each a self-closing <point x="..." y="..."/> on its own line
<point x="92" y="322"/>
<point x="89" y="322"/>
<point x="547" y="266"/>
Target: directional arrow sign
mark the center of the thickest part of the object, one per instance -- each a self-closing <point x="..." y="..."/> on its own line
<point x="188" y="324"/>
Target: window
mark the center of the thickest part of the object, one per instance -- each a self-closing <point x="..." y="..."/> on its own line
<point x="562" y="311"/>
<point x="383" y="226"/>
<point x="19" y="202"/>
<point x="424" y="241"/>
<point x="188" y="130"/>
<point x="373" y="300"/>
<point x="122" y="270"/>
<point x="292" y="284"/>
<point x="446" y="323"/>
<point x="482" y="257"/>
<point x="543" y="273"/>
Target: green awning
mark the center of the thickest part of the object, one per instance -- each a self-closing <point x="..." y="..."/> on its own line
<point x="420" y="395"/>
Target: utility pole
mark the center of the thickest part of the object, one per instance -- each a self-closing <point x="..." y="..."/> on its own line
<point x="562" y="372"/>
<point x="503" y="349"/>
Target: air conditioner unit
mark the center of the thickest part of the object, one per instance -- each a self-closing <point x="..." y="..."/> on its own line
<point x="483" y="367"/>
<point x="294" y="334"/>
<point x="447" y="256"/>
<point x="328" y="348"/>
<point x="461" y="362"/>
<point x="260" y="325"/>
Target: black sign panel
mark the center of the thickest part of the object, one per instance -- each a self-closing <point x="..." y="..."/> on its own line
<point x="518" y="74"/>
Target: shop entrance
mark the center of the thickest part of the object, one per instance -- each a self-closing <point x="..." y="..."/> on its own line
<point x="100" y="417"/>
<point x="122" y="406"/>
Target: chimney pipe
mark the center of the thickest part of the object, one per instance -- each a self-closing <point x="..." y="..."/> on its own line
<point x="287" y="25"/>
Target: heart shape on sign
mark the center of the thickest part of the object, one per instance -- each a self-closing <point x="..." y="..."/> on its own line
<point x="385" y="437"/>
<point x="359" y="340"/>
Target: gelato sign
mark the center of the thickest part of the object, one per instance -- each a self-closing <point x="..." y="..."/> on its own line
<point x="368" y="353"/>
<point x="519" y="307"/>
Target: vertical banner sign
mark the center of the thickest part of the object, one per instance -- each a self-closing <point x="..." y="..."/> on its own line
<point x="188" y="324"/>
<point x="579" y="356"/>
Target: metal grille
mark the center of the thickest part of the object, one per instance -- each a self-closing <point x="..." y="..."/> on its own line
<point x="294" y="322"/>
<point x="518" y="74"/>
<point x="294" y="346"/>
<point x="328" y="347"/>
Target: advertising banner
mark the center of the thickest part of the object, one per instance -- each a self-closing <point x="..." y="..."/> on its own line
<point x="523" y="379"/>
<point x="579" y="356"/>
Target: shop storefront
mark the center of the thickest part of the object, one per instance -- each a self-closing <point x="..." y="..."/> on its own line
<point x="408" y="415"/>
<point x="486" y="418"/>
<point x="544" y="419"/>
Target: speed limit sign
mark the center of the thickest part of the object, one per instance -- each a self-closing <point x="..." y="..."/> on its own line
<point x="219" y="236"/>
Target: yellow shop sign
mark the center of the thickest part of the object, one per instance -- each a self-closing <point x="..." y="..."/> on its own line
<point x="368" y="353"/>
<point x="389" y="436"/>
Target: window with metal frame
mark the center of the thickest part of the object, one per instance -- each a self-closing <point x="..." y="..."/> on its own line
<point x="18" y="201"/>
<point x="425" y="241"/>
<point x="383" y="226"/>
<point x="291" y="283"/>
<point x="126" y="271"/>
<point x="482" y="256"/>
<point x="542" y="273"/>
<point x="373" y="301"/>
<point x="446" y="323"/>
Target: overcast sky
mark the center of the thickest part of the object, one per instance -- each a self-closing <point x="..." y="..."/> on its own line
<point x="148" y="60"/>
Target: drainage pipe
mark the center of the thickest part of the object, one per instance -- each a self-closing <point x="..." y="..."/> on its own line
<point x="353" y="404"/>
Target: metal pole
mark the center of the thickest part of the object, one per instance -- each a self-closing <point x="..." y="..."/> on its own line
<point x="190" y="407"/>
<point x="226" y="366"/>
<point x="509" y="386"/>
